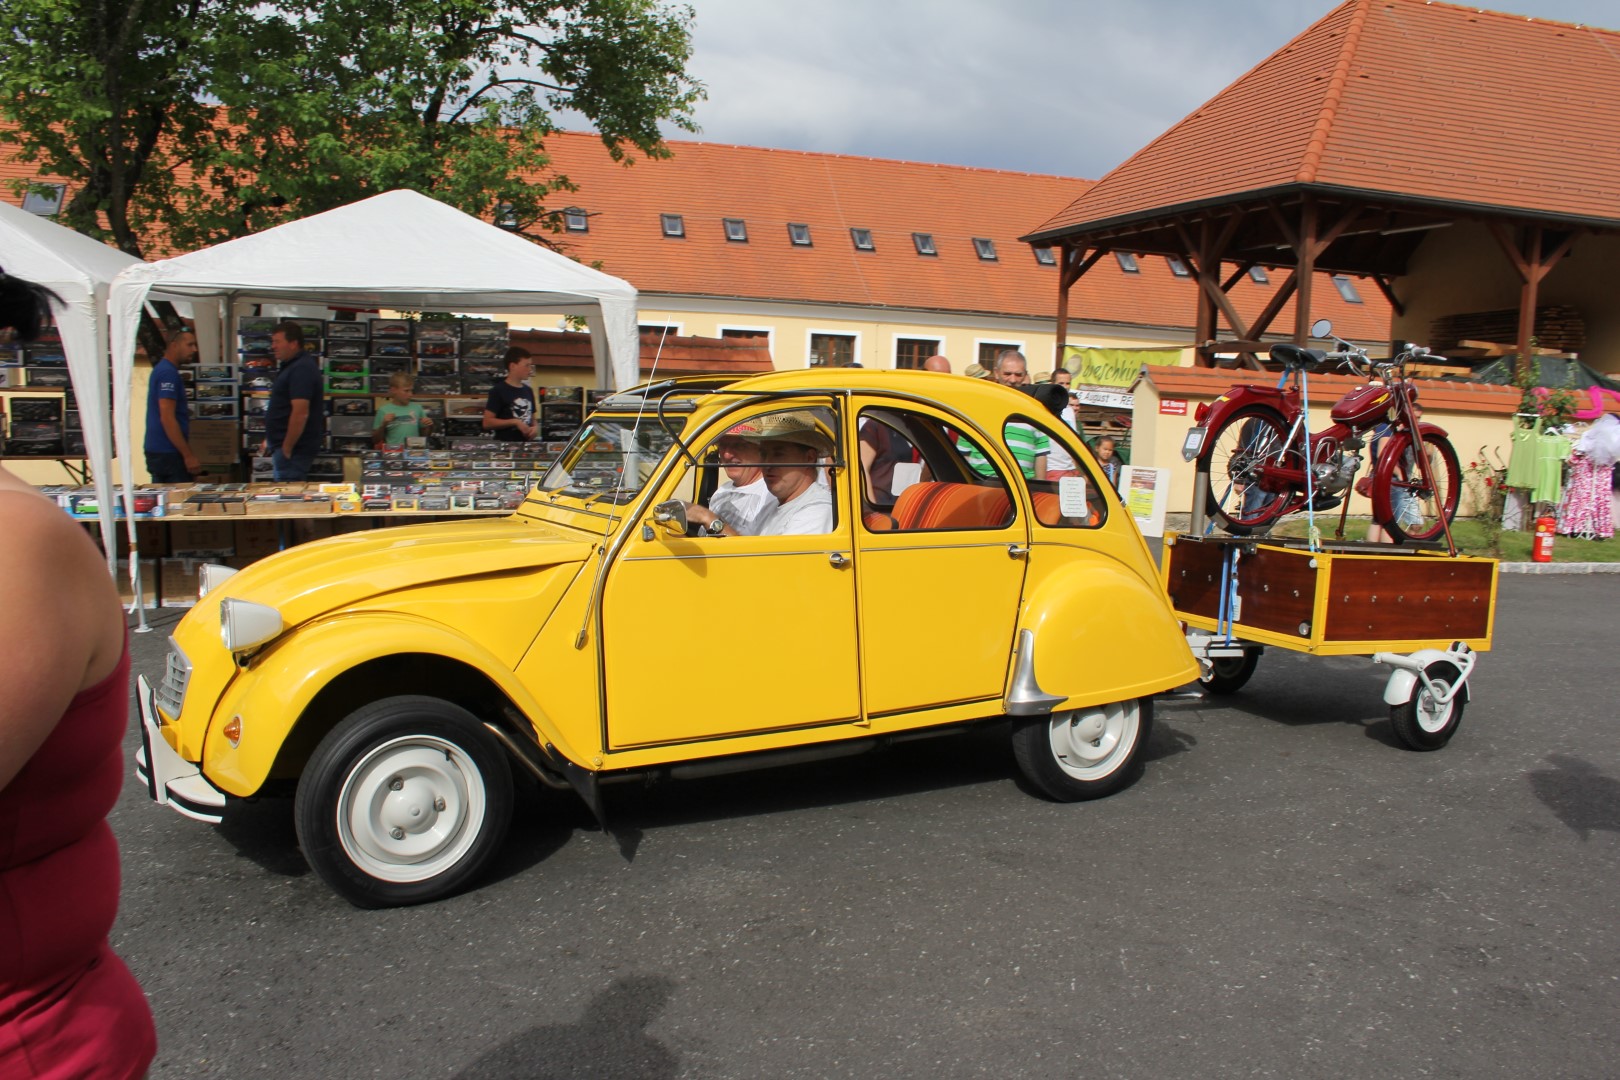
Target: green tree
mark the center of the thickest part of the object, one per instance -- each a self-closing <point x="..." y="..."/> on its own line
<point x="201" y="120"/>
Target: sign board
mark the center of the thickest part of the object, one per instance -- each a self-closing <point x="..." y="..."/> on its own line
<point x="1146" y="493"/>
<point x="1106" y="398"/>
<point x="1114" y="367"/>
<point x="1172" y="407"/>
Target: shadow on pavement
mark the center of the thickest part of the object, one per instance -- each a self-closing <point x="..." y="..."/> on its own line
<point x="610" y="1040"/>
<point x="1582" y="797"/>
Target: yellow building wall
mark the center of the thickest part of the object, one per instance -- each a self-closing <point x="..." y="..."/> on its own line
<point x="1157" y="441"/>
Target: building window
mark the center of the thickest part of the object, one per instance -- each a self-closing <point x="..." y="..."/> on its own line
<point x="674" y="226"/>
<point x="862" y="239"/>
<point x="44" y="199"/>
<point x="990" y="350"/>
<point x="924" y="242"/>
<point x="734" y="333"/>
<point x="799" y="234"/>
<point x="1347" y="289"/>
<point x="1127" y="262"/>
<point x="575" y="220"/>
<point x="832" y="350"/>
<point x="909" y="353"/>
<point x="736" y="230"/>
<point x="1177" y="267"/>
<point x="657" y="330"/>
<point x="1045" y="256"/>
<point x="1258" y="275"/>
<point x="985" y="248"/>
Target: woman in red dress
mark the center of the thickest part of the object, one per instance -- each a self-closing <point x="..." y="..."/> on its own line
<point x="68" y="1005"/>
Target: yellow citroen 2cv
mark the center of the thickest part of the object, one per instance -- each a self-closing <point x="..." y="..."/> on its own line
<point x="902" y="561"/>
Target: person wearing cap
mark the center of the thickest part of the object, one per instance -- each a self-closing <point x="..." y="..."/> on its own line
<point x="790" y="444"/>
<point x="742" y="500"/>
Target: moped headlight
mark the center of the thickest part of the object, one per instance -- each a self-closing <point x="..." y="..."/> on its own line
<point x="211" y="576"/>
<point x="245" y="625"/>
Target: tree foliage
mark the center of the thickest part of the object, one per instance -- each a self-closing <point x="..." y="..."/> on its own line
<point x="202" y="120"/>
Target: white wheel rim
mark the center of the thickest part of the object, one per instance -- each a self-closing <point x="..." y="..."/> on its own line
<point x="1089" y="744"/>
<point x="411" y="808"/>
<point x="1433" y="715"/>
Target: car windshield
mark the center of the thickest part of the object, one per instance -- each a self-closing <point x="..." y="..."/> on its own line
<point x="612" y="456"/>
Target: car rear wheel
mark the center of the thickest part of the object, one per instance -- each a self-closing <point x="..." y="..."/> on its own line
<point x="403" y="802"/>
<point x="1084" y="753"/>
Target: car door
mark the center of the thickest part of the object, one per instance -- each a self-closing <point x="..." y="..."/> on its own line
<point x="706" y="637"/>
<point x="942" y="569"/>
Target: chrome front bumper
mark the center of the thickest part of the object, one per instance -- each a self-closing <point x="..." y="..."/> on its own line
<point x="170" y="779"/>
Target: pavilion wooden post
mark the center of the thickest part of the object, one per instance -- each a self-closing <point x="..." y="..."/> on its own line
<point x="1532" y="267"/>
<point x="1071" y="266"/>
<point x="1305" y="251"/>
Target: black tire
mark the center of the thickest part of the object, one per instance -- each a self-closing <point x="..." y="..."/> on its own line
<point x="416" y="772"/>
<point x="1228" y="674"/>
<point x="1231" y="460"/>
<point x="1056" y="757"/>
<point x="1430" y="502"/>
<point x="1418" y="721"/>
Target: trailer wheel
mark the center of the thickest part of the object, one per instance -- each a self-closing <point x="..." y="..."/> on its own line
<point x="1228" y="674"/>
<point x="1423" y="722"/>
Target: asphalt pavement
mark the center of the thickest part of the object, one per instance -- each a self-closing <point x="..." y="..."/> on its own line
<point x="1285" y="893"/>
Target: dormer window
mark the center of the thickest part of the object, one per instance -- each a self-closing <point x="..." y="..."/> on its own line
<point x="1127" y="262"/>
<point x="574" y="220"/>
<point x="985" y="248"/>
<point x="1045" y="256"/>
<point x="674" y="226"/>
<point x="862" y="239"/>
<point x="924" y="243"/>
<point x="799" y="234"/>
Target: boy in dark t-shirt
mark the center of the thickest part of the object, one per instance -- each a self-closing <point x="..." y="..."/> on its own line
<point x="510" y="411"/>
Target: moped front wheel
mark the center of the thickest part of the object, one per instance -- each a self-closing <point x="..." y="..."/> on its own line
<point x="1237" y="453"/>
<point x="1420" y="507"/>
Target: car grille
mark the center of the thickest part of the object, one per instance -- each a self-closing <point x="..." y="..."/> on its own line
<point x="171" y="692"/>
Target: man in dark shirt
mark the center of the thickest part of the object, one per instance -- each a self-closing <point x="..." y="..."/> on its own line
<point x="169" y="457"/>
<point x="295" y="422"/>
<point x="510" y="411"/>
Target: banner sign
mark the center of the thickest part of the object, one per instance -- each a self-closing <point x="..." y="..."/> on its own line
<point x="1114" y="367"/>
<point x="1105" y="398"/>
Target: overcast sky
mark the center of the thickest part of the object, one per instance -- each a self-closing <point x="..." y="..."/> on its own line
<point x="1071" y="87"/>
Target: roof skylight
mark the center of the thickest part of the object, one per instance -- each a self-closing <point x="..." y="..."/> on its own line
<point x="799" y="234"/>
<point x="674" y="225"/>
<point x="862" y="239"/>
<point x="924" y="243"/>
<point x="736" y="230"/>
<point x="985" y="248"/>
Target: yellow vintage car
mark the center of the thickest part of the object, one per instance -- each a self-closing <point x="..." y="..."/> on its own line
<point x="906" y="578"/>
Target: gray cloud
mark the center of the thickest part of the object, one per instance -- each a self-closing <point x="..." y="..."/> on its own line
<point x="1035" y="85"/>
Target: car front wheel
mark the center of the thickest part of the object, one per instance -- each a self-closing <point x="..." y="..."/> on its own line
<point x="1084" y="753"/>
<point x="403" y="802"/>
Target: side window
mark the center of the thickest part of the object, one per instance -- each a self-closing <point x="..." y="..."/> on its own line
<point x="770" y="474"/>
<point x="1066" y="494"/>
<point x="919" y="475"/>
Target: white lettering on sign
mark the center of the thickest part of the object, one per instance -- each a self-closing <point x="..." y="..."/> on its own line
<point x="1172" y="407"/>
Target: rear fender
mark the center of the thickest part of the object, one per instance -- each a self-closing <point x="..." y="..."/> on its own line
<point x="1101" y="634"/>
<point x="1213" y="414"/>
<point x="274" y="694"/>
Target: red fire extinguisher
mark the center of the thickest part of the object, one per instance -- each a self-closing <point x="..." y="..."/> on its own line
<point x="1541" y="551"/>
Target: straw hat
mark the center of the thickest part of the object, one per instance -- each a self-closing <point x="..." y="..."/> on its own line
<point x="975" y="371"/>
<point x="798" y="427"/>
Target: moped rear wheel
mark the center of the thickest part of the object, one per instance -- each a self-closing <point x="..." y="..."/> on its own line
<point x="1419" y="508"/>
<point x="1237" y="451"/>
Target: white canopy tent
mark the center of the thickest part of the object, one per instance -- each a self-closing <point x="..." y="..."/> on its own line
<point x="80" y="271"/>
<point x="400" y="250"/>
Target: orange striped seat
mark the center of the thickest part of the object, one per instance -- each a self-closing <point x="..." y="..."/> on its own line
<point x="937" y="505"/>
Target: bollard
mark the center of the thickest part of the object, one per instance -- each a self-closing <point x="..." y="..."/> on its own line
<point x="1541" y="550"/>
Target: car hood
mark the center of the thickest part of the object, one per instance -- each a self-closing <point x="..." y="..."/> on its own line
<point x="311" y="579"/>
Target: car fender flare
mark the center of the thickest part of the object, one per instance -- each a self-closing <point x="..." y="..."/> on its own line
<point x="1075" y="638"/>
<point x="288" y="676"/>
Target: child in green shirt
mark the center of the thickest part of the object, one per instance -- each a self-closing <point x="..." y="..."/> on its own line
<point x="399" y="418"/>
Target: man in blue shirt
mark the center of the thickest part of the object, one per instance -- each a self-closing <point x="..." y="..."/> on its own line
<point x="295" y="421"/>
<point x="169" y="457"/>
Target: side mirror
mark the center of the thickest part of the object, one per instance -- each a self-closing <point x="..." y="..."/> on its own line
<point x="1322" y="328"/>
<point x="671" y="516"/>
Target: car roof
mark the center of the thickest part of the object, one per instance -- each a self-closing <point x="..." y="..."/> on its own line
<point x="956" y="391"/>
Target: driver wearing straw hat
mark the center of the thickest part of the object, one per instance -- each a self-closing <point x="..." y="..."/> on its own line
<point x="790" y="444"/>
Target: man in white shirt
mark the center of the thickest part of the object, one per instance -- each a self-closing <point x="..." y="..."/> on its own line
<point x="791" y="444"/>
<point x="742" y="501"/>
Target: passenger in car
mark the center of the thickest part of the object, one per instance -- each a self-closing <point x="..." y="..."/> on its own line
<point x="742" y="500"/>
<point x="791" y="445"/>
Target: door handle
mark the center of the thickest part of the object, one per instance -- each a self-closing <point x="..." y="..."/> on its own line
<point x="838" y="559"/>
<point x="1017" y="551"/>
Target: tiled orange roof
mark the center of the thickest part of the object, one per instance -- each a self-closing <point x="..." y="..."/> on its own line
<point x="1422" y="101"/>
<point x="832" y="193"/>
<point x="1436" y="394"/>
